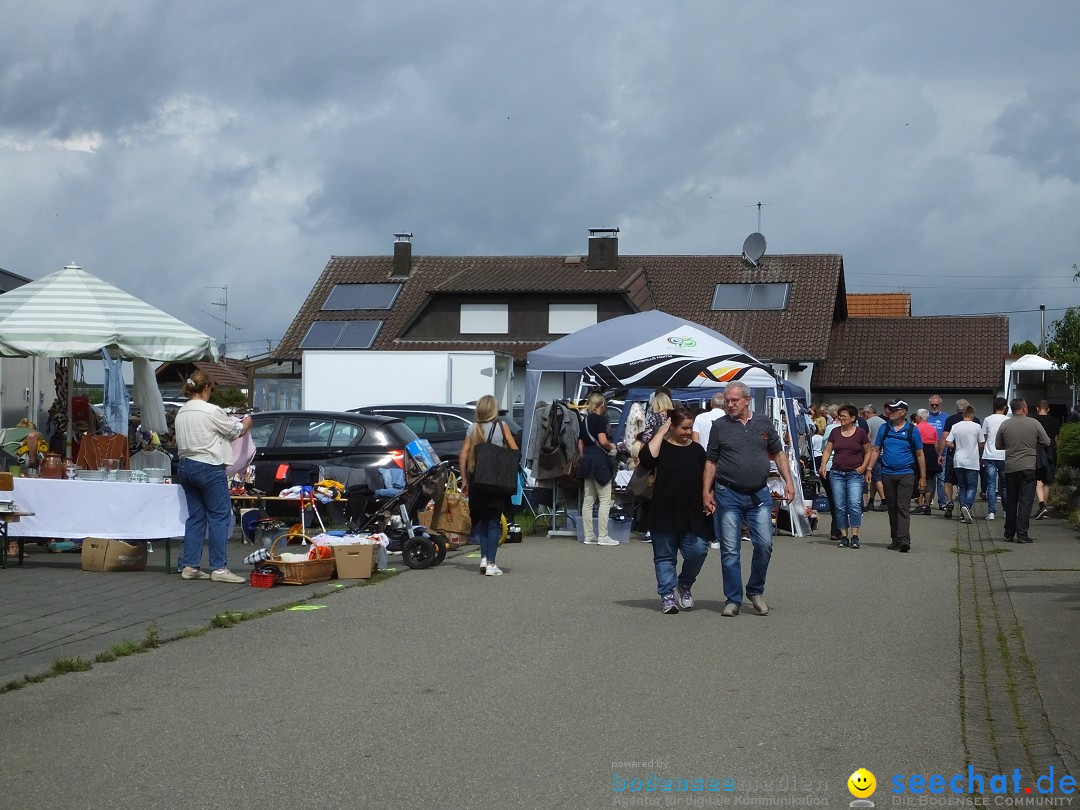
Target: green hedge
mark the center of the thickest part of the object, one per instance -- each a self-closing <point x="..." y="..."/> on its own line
<point x="1068" y="453"/>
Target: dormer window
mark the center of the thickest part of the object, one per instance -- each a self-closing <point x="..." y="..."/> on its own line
<point x="751" y="296"/>
<point x="485" y="319"/>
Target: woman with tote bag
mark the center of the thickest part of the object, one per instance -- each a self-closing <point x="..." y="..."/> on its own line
<point x="486" y="507"/>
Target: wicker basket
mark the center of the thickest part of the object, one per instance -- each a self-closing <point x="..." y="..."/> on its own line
<point x="300" y="573"/>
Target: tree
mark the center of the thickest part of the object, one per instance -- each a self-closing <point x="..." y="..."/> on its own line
<point x="1064" y="345"/>
<point x="1027" y="347"/>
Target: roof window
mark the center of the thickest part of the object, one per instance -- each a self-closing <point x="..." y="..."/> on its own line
<point x="361" y="296"/>
<point x="751" y="296"/>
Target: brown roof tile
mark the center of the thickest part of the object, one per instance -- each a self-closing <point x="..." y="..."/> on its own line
<point x="680" y="285"/>
<point x="904" y="353"/>
<point x="879" y="305"/>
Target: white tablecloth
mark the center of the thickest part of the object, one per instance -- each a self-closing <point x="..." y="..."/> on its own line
<point x="121" y="511"/>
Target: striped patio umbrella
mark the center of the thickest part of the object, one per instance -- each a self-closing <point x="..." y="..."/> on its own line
<point x="71" y="313"/>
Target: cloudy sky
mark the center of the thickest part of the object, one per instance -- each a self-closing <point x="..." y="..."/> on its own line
<point x="175" y="148"/>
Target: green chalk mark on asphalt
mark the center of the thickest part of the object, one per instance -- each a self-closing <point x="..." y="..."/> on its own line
<point x="306" y="607"/>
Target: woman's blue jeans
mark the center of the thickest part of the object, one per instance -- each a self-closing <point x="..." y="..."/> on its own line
<point x="732" y="509"/>
<point x="847" y="490"/>
<point x="665" y="549"/>
<point x="487" y="533"/>
<point x="968" y="481"/>
<point x="206" y="489"/>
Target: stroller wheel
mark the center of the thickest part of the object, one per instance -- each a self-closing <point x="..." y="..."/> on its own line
<point x="418" y="552"/>
<point x="442" y="545"/>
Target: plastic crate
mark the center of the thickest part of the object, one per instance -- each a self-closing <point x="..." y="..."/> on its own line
<point x="262" y="580"/>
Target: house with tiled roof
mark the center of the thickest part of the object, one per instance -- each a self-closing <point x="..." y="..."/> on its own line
<point x="788" y="310"/>
<point x="879" y="305"/>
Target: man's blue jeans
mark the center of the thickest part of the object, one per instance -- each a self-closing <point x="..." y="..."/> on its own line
<point x="732" y="510"/>
<point x="941" y="487"/>
<point x="995" y="483"/>
<point x="847" y="487"/>
<point x="665" y="549"/>
<point x="206" y="489"/>
<point x="968" y="484"/>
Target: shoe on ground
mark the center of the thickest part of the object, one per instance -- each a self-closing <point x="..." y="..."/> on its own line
<point x="855" y="542"/>
<point x="225" y="575"/>
<point x="965" y="514"/>
<point x="685" y="599"/>
<point x="493" y="571"/>
<point x="193" y="573"/>
<point x="590" y="541"/>
<point x="990" y="516"/>
<point x="483" y="565"/>
<point x="905" y="548"/>
<point x="948" y="510"/>
<point x="607" y="541"/>
<point x="715" y="545"/>
<point x="1024" y="539"/>
<point x="730" y="609"/>
<point x="881" y="507"/>
<point x="646" y="538"/>
<point x="759" y="605"/>
<point x="1010" y="538"/>
<point x="667" y="603"/>
<point x="842" y="543"/>
<point x="893" y="547"/>
<point x="982" y="495"/>
<point x="1041" y="513"/>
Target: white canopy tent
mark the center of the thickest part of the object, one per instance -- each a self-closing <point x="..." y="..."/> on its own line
<point x="73" y="314"/>
<point x="1031" y="366"/>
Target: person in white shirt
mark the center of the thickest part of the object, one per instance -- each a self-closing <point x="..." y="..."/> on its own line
<point x="203" y="436"/>
<point x="993" y="458"/>
<point x="966" y="442"/>
<point x="703" y="423"/>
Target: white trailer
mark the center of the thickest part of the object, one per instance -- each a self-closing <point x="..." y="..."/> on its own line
<point x="337" y="380"/>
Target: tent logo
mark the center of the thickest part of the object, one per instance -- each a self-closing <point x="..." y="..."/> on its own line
<point x="682" y="342"/>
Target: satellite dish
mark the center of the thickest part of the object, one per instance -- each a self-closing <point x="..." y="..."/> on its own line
<point x="221" y="348"/>
<point x="753" y="248"/>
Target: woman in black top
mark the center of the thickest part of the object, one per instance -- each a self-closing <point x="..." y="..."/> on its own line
<point x="596" y="468"/>
<point x="677" y="515"/>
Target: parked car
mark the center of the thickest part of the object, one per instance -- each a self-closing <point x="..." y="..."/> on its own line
<point x="445" y="426"/>
<point x="345" y="446"/>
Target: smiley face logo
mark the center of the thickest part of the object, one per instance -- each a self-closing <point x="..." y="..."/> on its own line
<point x="861" y="783"/>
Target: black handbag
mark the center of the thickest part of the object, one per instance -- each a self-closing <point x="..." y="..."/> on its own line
<point x="642" y="483"/>
<point x="496" y="470"/>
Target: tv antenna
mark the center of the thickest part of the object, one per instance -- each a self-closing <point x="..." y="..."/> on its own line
<point x="224" y="318"/>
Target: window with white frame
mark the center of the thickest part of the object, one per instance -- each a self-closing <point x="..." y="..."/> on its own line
<point x="485" y="319"/>
<point x="566" y="318"/>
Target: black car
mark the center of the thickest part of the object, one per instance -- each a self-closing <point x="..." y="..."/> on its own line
<point x="347" y="447"/>
<point x="445" y="426"/>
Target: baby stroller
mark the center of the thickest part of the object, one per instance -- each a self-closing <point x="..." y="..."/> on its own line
<point x="396" y="516"/>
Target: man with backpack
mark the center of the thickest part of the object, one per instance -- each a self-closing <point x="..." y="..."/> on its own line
<point x="900" y="448"/>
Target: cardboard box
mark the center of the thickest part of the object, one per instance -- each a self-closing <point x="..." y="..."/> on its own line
<point x="100" y="554"/>
<point x="354" y="562"/>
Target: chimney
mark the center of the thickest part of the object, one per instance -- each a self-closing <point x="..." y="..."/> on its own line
<point x="603" y="249"/>
<point x="402" y="255"/>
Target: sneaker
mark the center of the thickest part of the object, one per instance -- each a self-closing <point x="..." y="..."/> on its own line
<point x="893" y="546"/>
<point x="192" y="573"/>
<point x="842" y="543"/>
<point x="686" y="601"/>
<point x="1010" y="538"/>
<point x="590" y="541"/>
<point x="948" y="510"/>
<point x="730" y="609"/>
<point x="225" y="575"/>
<point x="1023" y="538"/>
<point x="493" y="571"/>
<point x="905" y="548"/>
<point x="483" y="565"/>
<point x="667" y="603"/>
<point x="965" y="514"/>
<point x="759" y="605"/>
<point x="881" y="507"/>
<point x="607" y="541"/>
<point x="715" y="545"/>
<point x="646" y="538"/>
<point x="990" y="516"/>
<point x="855" y="543"/>
<point x="1041" y="513"/>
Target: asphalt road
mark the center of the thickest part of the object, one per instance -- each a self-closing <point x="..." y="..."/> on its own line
<point x="552" y="686"/>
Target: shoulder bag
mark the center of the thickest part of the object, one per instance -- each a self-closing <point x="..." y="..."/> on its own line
<point x="642" y="483"/>
<point x="496" y="470"/>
